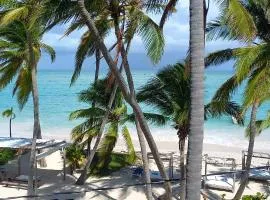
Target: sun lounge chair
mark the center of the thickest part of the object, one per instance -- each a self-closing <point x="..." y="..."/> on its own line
<point x="261" y="173"/>
<point x="20" y="181"/>
<point x="137" y="172"/>
<point x="168" y="162"/>
<point x="221" y="181"/>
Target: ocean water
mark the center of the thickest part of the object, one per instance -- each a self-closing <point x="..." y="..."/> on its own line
<point x="58" y="99"/>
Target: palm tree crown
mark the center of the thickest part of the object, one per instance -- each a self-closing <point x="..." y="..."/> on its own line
<point x="100" y="93"/>
<point x="15" y="58"/>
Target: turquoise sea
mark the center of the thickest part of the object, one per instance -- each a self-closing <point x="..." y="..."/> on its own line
<point x="57" y="100"/>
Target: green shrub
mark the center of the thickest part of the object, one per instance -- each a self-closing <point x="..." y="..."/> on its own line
<point x="6" y="155"/>
<point x="115" y="162"/>
<point x="75" y="156"/>
<point x="258" y="196"/>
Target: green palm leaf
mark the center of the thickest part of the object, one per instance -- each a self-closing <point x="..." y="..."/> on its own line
<point x="129" y="145"/>
<point x="149" y="31"/>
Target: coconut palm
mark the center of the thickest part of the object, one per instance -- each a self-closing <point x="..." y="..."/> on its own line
<point x="93" y="118"/>
<point x="251" y="61"/>
<point x="128" y="97"/>
<point x="195" y="140"/>
<point x="11" y="115"/>
<point x="153" y="47"/>
<point x="169" y="93"/>
<point x="22" y="28"/>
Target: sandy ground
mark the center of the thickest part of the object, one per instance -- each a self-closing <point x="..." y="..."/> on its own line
<point x="52" y="178"/>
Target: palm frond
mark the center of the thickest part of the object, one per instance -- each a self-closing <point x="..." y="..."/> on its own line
<point x="246" y="57"/>
<point x="148" y="30"/>
<point x="218" y="108"/>
<point x="153" y="118"/>
<point x="9" y="71"/>
<point x="237" y="19"/>
<point x="48" y="49"/>
<point x="95" y="113"/>
<point x="14" y="14"/>
<point x="85" y="48"/>
<point x="129" y="145"/>
<point x="258" y="83"/>
<point x="220" y="57"/>
<point x="23" y="86"/>
<point x="107" y="145"/>
<point x="226" y="90"/>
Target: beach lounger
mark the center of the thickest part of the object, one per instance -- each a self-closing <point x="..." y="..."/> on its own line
<point x="259" y="174"/>
<point x="261" y="171"/>
<point x="221" y="181"/>
<point x="155" y="175"/>
<point x="168" y="163"/>
<point x="137" y="172"/>
<point x="20" y="181"/>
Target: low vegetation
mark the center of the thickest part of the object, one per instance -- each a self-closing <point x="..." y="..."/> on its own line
<point x="258" y="196"/>
<point x="76" y="158"/>
<point x="6" y="155"/>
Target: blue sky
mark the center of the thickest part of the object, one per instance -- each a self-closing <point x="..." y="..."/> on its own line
<point x="176" y="33"/>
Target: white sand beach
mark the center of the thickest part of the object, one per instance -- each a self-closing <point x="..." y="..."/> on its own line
<point x="52" y="178"/>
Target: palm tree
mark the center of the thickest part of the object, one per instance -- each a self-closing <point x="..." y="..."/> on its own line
<point x="128" y="97"/>
<point x="11" y="115"/>
<point x="195" y="139"/>
<point x="251" y="63"/>
<point x="93" y="118"/>
<point x="256" y="92"/>
<point x="137" y="22"/>
<point x="21" y="32"/>
<point x="169" y="93"/>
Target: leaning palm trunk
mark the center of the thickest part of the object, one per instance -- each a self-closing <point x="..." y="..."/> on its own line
<point x="253" y="130"/>
<point x="83" y="175"/>
<point x="195" y="140"/>
<point x="97" y="70"/>
<point x="10" y="121"/>
<point x="89" y="140"/>
<point x="128" y="97"/>
<point x="157" y="160"/>
<point x="97" y="64"/>
<point x="36" y="129"/>
<point x="145" y="162"/>
<point x="132" y="92"/>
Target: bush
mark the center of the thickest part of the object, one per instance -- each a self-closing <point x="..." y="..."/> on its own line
<point x="6" y="155"/>
<point x="258" y="196"/>
<point x="115" y="162"/>
<point x="75" y="157"/>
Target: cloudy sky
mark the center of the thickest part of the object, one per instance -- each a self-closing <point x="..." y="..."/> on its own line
<point x="176" y="33"/>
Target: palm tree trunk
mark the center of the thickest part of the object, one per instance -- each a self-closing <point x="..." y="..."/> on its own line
<point x="97" y="70"/>
<point x="253" y="130"/>
<point x="128" y="97"/>
<point x="36" y="129"/>
<point x="94" y="102"/>
<point x="10" y="127"/>
<point x="145" y="162"/>
<point x="182" y="168"/>
<point x="195" y="139"/>
<point x="97" y="64"/>
<point x="83" y="176"/>
<point x="89" y="140"/>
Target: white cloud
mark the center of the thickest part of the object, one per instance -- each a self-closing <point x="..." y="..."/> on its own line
<point x="58" y="41"/>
